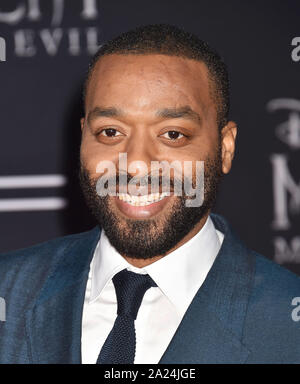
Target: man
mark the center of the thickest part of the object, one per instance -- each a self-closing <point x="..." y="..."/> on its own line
<point x="160" y="280"/>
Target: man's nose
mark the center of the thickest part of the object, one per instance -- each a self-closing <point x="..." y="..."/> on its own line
<point x="140" y="152"/>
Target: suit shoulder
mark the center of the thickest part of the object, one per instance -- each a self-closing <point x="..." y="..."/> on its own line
<point x="35" y="262"/>
<point x="270" y="332"/>
<point x="23" y="272"/>
<point x="272" y="276"/>
<point x="48" y="248"/>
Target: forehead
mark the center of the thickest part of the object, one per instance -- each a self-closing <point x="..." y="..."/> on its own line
<point x="137" y="82"/>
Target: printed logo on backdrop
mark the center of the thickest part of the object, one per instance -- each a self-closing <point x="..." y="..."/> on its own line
<point x="286" y="187"/>
<point x="50" y="182"/>
<point x="73" y="40"/>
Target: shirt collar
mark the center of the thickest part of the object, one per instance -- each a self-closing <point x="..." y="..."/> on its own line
<point x="178" y="275"/>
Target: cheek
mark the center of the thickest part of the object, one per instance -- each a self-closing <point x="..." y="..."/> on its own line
<point x="95" y="156"/>
<point x="193" y="160"/>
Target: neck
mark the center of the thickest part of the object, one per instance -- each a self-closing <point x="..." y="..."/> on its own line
<point x="141" y="263"/>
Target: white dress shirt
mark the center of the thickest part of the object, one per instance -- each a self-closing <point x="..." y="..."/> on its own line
<point x="178" y="276"/>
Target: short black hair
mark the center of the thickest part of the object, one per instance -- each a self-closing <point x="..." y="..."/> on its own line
<point x="172" y="41"/>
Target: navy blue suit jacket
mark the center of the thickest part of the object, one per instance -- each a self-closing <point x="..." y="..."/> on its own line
<point x="241" y="314"/>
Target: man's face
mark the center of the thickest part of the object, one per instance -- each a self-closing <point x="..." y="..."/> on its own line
<point x="152" y="108"/>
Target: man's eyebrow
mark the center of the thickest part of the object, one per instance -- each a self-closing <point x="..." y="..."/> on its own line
<point x="185" y="112"/>
<point x="103" y="112"/>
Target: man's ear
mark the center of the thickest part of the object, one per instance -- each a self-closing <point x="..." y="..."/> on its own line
<point x="228" y="136"/>
<point x="82" y="120"/>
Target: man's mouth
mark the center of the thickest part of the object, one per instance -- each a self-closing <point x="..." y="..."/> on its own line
<point x="138" y="201"/>
<point x="140" y="207"/>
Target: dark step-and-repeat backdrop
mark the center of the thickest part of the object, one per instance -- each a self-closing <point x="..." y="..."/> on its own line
<point x="45" y="47"/>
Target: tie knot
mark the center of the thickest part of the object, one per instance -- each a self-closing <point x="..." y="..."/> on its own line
<point x="130" y="289"/>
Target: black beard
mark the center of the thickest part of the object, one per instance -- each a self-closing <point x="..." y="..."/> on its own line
<point x="144" y="239"/>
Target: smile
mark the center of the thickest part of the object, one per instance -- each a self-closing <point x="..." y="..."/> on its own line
<point x="141" y="201"/>
<point x="141" y="207"/>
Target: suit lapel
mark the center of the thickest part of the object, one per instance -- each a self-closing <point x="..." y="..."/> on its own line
<point x="211" y="330"/>
<point x="53" y="325"/>
<point x="202" y="339"/>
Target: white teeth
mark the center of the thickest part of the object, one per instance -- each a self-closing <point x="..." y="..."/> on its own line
<point x="142" y="200"/>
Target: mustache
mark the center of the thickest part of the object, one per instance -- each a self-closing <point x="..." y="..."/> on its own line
<point x="156" y="184"/>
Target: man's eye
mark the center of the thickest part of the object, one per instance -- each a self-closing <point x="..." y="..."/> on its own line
<point x="110" y="132"/>
<point x="173" y="135"/>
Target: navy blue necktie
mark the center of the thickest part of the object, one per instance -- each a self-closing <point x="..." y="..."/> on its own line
<point x="119" y="347"/>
